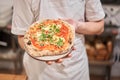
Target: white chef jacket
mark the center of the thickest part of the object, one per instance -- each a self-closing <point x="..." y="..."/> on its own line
<point x="28" y="11"/>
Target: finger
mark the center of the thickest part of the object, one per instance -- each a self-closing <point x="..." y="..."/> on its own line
<point x="69" y="55"/>
<point x="70" y="21"/>
<point x="49" y="62"/>
<point x="73" y="48"/>
<point x="59" y="60"/>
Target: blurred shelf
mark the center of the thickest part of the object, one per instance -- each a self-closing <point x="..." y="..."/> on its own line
<point x="101" y="63"/>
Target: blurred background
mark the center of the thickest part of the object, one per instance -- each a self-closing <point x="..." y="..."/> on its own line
<point x="103" y="50"/>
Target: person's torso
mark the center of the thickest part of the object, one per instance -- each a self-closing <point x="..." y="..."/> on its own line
<point x="64" y="9"/>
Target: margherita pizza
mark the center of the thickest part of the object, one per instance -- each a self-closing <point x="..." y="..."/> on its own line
<point x="49" y="38"/>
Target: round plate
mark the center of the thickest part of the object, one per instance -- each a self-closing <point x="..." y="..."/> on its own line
<point x="49" y="58"/>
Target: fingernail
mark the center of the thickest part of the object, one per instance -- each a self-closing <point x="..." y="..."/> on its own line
<point x="49" y="62"/>
<point x="60" y="60"/>
<point x="69" y="55"/>
<point x="73" y="48"/>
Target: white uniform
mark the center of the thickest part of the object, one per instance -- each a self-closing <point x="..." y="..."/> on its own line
<point x="28" y="11"/>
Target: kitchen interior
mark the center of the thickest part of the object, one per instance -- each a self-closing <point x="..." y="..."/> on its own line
<point x="103" y="50"/>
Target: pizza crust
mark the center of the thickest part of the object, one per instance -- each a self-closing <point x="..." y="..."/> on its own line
<point x="33" y="51"/>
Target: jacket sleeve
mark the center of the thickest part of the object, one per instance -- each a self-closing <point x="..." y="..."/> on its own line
<point x="94" y="10"/>
<point x="22" y="16"/>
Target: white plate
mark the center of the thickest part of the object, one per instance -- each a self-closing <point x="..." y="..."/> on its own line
<point x="48" y="58"/>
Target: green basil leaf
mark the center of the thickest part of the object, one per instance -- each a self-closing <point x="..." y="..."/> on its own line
<point x="60" y="42"/>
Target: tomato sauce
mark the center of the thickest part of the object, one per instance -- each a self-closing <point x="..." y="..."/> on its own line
<point x="64" y="32"/>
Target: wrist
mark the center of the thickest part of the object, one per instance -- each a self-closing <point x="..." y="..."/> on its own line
<point x="21" y="41"/>
<point x="80" y="27"/>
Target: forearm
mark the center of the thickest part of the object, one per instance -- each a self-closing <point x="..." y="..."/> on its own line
<point x="90" y="27"/>
<point x="20" y="41"/>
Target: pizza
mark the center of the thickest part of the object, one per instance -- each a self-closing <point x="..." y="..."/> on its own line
<point x="49" y="38"/>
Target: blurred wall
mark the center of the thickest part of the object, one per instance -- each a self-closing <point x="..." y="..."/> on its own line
<point x="5" y="12"/>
